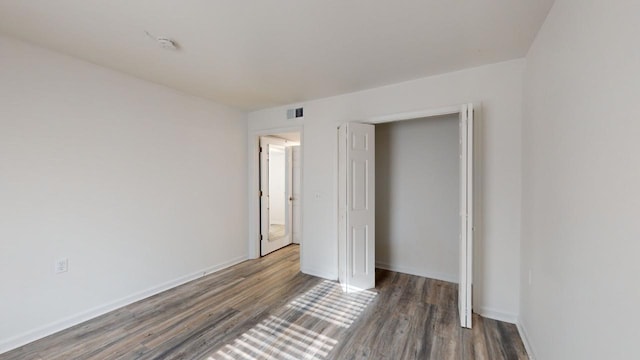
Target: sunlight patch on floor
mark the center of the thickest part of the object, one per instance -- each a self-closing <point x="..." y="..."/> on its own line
<point x="328" y="302"/>
<point x="279" y="339"/>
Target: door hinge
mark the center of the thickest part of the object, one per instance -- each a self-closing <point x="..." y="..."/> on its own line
<point x="260" y="192"/>
<point x="260" y="236"/>
<point x="260" y="148"/>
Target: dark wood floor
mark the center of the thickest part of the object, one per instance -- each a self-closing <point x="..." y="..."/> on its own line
<point x="267" y="309"/>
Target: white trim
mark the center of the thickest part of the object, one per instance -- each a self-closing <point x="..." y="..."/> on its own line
<point x="496" y="314"/>
<point x="525" y="339"/>
<point x="65" y="323"/>
<point x="446" y="110"/>
<point x="412" y="271"/>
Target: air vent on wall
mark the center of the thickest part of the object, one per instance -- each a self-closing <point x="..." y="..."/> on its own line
<point x="295" y="113"/>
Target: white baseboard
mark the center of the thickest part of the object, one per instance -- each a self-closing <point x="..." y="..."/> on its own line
<point x="496" y="314"/>
<point x="418" y="272"/>
<point x="54" y="327"/>
<point x="525" y="339"/>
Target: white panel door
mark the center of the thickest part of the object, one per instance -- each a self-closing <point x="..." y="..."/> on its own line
<point x="296" y="227"/>
<point x="288" y="192"/>
<point x="264" y="194"/>
<point x="275" y="194"/>
<point x="357" y="206"/>
<point x="465" y="285"/>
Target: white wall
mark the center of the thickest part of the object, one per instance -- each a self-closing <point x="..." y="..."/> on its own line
<point x="581" y="171"/>
<point x="140" y="187"/>
<point x="499" y="88"/>
<point x="417" y="197"/>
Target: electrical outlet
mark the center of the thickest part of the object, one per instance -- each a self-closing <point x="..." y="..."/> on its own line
<point x="61" y="266"/>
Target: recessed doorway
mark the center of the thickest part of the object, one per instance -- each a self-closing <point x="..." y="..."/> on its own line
<point x="279" y="194"/>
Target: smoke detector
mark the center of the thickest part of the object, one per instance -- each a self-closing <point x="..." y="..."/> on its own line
<point x="164" y="42"/>
<point x="167" y="43"/>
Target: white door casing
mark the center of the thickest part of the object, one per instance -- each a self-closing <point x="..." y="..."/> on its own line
<point x="268" y="244"/>
<point x="465" y="285"/>
<point x="356" y="196"/>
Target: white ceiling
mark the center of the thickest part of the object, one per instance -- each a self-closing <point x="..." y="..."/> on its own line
<point x="254" y="54"/>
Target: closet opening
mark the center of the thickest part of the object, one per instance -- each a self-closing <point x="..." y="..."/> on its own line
<point x="418" y="218"/>
<point x="418" y="197"/>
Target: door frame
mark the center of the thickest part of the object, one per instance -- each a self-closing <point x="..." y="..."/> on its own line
<point x="265" y="156"/>
<point x="476" y="195"/>
<point x="253" y="147"/>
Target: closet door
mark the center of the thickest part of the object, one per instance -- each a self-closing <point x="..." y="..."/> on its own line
<point x="465" y="285"/>
<point x="356" y="195"/>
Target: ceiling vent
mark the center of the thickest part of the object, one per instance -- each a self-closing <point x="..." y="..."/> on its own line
<point x="297" y="113"/>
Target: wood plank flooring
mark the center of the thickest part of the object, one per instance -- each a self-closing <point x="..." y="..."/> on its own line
<point x="267" y="309"/>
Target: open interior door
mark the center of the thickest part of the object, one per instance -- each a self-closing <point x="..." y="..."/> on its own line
<point x="296" y="179"/>
<point x="356" y="209"/>
<point x="465" y="286"/>
<point x="275" y="194"/>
